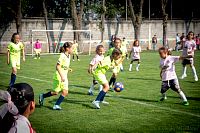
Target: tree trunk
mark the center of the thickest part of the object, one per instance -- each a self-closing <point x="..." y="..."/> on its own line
<point x="19" y="18"/>
<point x="46" y="24"/>
<point x="165" y="17"/>
<point x="102" y="20"/>
<point x="136" y="18"/>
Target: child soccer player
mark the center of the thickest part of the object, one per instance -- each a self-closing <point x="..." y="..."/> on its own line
<point x="19" y="106"/>
<point x="60" y="80"/>
<point x="135" y="55"/>
<point x="93" y="65"/>
<point x="13" y="56"/>
<point x="99" y="75"/>
<point x="75" y="50"/>
<point x="116" y="69"/>
<point x="124" y="46"/>
<point x="188" y="49"/>
<point x="37" y="49"/>
<point x="168" y="74"/>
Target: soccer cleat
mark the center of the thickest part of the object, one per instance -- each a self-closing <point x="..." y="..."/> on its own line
<point x="72" y="60"/>
<point x="196" y="78"/>
<point x="137" y="69"/>
<point x="183" y="76"/>
<point x="78" y="60"/>
<point x="41" y="100"/>
<point x="35" y="58"/>
<point x="185" y="103"/>
<point x="129" y="70"/>
<point x="90" y="93"/>
<point x="56" y="107"/>
<point x="104" y="102"/>
<point x="163" y="98"/>
<point x="96" y="104"/>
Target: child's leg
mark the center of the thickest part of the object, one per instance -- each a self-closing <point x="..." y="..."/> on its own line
<point x="184" y="63"/>
<point x="138" y="65"/>
<point x="46" y="95"/>
<point x="164" y="88"/>
<point x="130" y="66"/>
<point x="77" y="57"/>
<point x="73" y="57"/>
<point x="13" y="76"/>
<point x="90" y="91"/>
<point x="62" y="96"/>
<point x="113" y="79"/>
<point x="194" y="72"/>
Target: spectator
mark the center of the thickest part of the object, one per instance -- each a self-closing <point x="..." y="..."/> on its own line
<point x="154" y="42"/>
<point x="197" y="40"/>
<point x="177" y="42"/>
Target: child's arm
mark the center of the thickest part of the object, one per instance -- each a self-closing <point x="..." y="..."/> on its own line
<point x="90" y="69"/>
<point x="8" y="57"/>
<point x="58" y="68"/>
<point x="23" y="54"/>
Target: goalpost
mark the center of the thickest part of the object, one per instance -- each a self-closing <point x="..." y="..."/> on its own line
<point x="58" y="38"/>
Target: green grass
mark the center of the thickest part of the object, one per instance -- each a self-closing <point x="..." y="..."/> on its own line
<point x="136" y="109"/>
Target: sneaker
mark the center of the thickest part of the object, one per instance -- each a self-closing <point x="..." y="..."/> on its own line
<point x="35" y="58"/>
<point x="56" y="107"/>
<point x="183" y="76"/>
<point x="90" y="93"/>
<point x="137" y="69"/>
<point x="41" y="100"/>
<point x="104" y="102"/>
<point x="78" y="60"/>
<point x="38" y="57"/>
<point x="163" y="98"/>
<point x="72" y="60"/>
<point x="129" y="70"/>
<point x="96" y="104"/>
<point x="185" y="103"/>
<point x="196" y="78"/>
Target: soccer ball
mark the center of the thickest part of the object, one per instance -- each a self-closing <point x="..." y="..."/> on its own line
<point x="118" y="86"/>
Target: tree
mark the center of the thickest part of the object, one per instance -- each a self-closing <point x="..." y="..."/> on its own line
<point x="136" y="16"/>
<point x="165" y="17"/>
<point x="77" y="13"/>
<point x="18" y="17"/>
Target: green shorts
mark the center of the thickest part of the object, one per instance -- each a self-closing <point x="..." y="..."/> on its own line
<point x="58" y="85"/>
<point x="101" y="78"/>
<point x="15" y="63"/>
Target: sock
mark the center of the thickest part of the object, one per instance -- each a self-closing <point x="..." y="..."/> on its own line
<point x="12" y="79"/>
<point x="121" y="67"/>
<point x="91" y="87"/>
<point x="130" y="66"/>
<point x="77" y="57"/>
<point x="102" y="98"/>
<point x="163" y="95"/>
<point x="101" y="94"/>
<point x="73" y="57"/>
<point x="138" y="65"/>
<point x="184" y="70"/>
<point x="60" y="99"/>
<point x="112" y="81"/>
<point x="48" y="94"/>
<point x="194" y="71"/>
<point x="38" y="55"/>
<point x="100" y="88"/>
<point x="183" y="96"/>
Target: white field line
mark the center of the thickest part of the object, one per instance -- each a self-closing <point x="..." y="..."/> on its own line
<point x="137" y="102"/>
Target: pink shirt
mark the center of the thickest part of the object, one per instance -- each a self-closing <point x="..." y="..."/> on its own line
<point x="168" y="68"/>
<point x="136" y="52"/>
<point x="96" y="60"/>
<point x="37" y="45"/>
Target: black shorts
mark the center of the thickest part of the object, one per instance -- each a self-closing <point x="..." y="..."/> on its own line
<point x="173" y="84"/>
<point x="138" y="60"/>
<point x="186" y="62"/>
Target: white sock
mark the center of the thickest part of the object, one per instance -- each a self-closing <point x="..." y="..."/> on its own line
<point x="91" y="87"/>
<point x="130" y="66"/>
<point x="138" y="65"/>
<point x="184" y="70"/>
<point x="100" y="88"/>
<point x="194" y="71"/>
<point x="121" y="67"/>
<point x="183" y="96"/>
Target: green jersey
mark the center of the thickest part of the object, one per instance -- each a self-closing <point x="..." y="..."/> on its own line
<point x="64" y="62"/>
<point x="15" y="49"/>
<point x="103" y="66"/>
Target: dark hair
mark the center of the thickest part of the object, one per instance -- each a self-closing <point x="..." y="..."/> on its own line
<point x="117" y="39"/>
<point x="21" y="95"/>
<point x="166" y="50"/>
<point x="13" y="37"/>
<point x="65" y="46"/>
<point x="190" y="33"/>
<point x="116" y="51"/>
<point x="134" y="43"/>
<point x="98" y="47"/>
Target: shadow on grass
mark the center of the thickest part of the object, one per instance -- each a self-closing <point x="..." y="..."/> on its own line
<point x="188" y="98"/>
<point x="3" y="87"/>
<point x="138" y="99"/>
<point x="146" y="79"/>
<point x="80" y="86"/>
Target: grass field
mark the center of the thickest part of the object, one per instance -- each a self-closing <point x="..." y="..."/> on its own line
<point x="136" y="109"/>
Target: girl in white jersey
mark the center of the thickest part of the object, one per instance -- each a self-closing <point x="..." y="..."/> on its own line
<point x="168" y="74"/>
<point x="93" y="65"/>
<point x="135" y="52"/>
<point x="15" y="112"/>
<point x="188" y="49"/>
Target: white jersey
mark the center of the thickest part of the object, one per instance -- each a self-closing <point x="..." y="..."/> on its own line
<point x="188" y="48"/>
<point x="168" y="68"/>
<point x="136" y="52"/>
<point x="21" y="125"/>
<point x="96" y="60"/>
